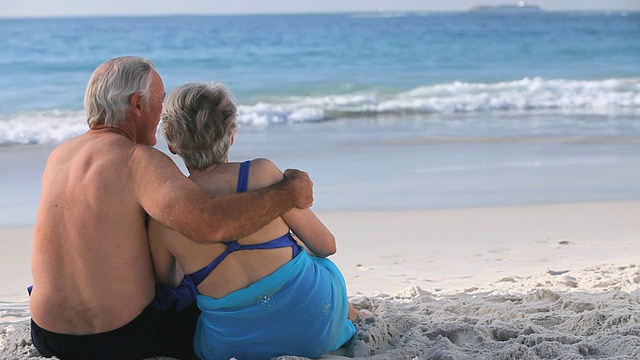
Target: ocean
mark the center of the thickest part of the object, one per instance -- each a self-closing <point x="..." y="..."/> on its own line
<point x="386" y="111"/>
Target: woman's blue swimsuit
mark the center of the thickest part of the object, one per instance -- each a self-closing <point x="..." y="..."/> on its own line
<point x="300" y="309"/>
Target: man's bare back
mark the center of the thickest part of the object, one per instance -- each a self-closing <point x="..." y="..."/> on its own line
<point x="91" y="261"/>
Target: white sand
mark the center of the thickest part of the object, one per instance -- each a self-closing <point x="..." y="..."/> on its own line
<point x="536" y="282"/>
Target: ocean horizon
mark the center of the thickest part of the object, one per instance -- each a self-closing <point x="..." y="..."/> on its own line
<point x="388" y="110"/>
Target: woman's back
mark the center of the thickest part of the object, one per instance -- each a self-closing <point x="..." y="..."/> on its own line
<point x="239" y="268"/>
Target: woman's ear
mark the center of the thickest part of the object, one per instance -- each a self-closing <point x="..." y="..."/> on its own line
<point x="233" y="138"/>
<point x="171" y="150"/>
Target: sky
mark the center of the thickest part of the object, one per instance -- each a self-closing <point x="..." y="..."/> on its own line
<point x="55" y="8"/>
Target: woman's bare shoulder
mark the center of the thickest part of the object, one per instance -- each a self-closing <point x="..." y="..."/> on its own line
<point x="263" y="172"/>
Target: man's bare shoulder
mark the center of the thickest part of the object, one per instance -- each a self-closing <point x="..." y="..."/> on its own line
<point x="69" y="144"/>
<point x="107" y="149"/>
<point x="71" y="150"/>
<point x="148" y="156"/>
<point x="87" y="143"/>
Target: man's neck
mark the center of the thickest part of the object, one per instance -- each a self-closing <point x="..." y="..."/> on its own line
<point x="116" y="130"/>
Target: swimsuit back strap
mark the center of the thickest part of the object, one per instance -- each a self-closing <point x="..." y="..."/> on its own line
<point x="198" y="276"/>
<point x="285" y="240"/>
<point x="243" y="177"/>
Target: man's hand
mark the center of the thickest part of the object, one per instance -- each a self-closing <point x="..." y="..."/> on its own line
<point x="301" y="187"/>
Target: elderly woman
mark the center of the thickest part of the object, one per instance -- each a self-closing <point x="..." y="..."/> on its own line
<point x="263" y="295"/>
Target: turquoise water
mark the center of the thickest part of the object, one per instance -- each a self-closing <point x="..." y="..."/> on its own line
<point x="303" y="68"/>
<point x="386" y="110"/>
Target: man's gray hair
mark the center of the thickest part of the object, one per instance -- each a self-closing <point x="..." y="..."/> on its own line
<point x="110" y="87"/>
<point x="198" y="122"/>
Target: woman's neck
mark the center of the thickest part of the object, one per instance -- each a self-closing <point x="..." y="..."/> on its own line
<point x="193" y="172"/>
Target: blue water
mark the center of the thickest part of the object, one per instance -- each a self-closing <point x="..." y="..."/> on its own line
<point x="431" y="109"/>
<point x="287" y="68"/>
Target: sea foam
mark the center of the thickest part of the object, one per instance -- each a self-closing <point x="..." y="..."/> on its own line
<point x="528" y="95"/>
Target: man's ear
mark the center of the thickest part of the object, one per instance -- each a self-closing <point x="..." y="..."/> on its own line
<point x="171" y="150"/>
<point x="135" y="102"/>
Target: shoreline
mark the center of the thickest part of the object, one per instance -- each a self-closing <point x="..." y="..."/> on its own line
<point x="408" y="163"/>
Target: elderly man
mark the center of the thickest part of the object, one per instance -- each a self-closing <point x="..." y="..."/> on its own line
<point x="93" y="283"/>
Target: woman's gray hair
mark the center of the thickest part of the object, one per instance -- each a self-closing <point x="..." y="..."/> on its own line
<point x="110" y="87"/>
<point x="198" y="122"/>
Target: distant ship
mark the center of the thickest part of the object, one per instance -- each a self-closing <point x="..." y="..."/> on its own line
<point x="521" y="7"/>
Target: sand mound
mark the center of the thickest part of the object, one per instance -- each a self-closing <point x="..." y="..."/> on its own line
<point x="592" y="313"/>
<point x="554" y="314"/>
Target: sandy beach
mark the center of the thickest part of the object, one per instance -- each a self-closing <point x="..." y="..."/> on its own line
<point x="554" y="281"/>
<point x="479" y="170"/>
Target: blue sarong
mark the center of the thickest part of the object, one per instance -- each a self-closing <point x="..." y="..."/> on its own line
<point x="175" y="299"/>
<point x="301" y="309"/>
